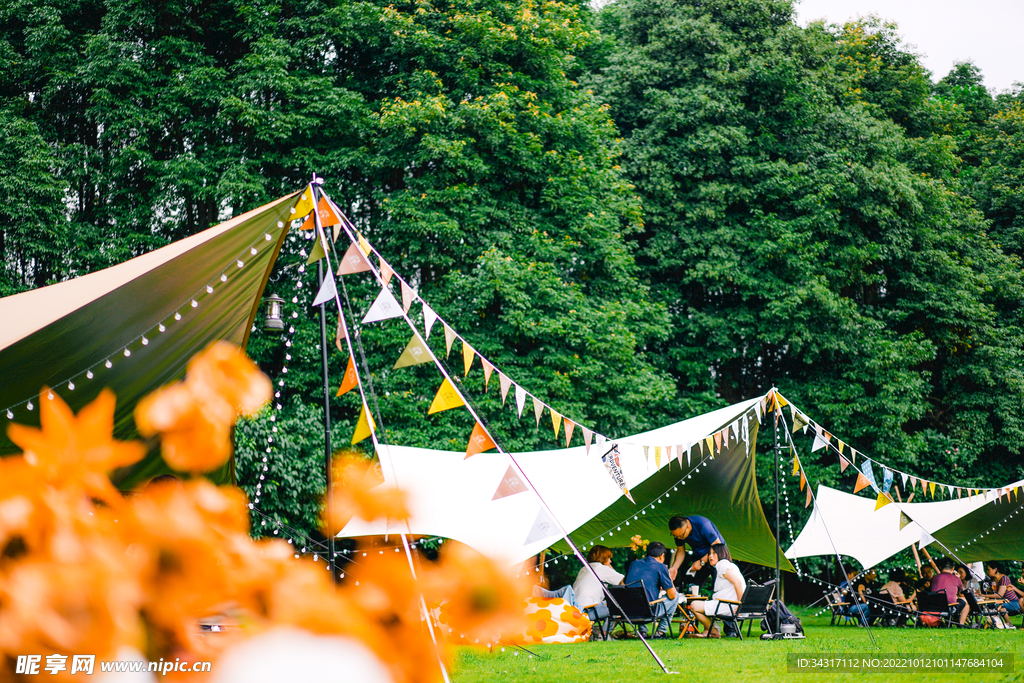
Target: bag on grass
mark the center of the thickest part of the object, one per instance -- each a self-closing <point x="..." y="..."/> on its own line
<point x="930" y="619"/>
<point x="785" y="617"/>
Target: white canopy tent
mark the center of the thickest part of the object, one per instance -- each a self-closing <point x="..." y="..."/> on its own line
<point x="849" y="525"/>
<point x="453" y="497"/>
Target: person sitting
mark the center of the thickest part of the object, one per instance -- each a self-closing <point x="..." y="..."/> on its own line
<point x="926" y="572"/>
<point x="1003" y="588"/>
<point x="652" y="571"/>
<point x="947" y="581"/>
<point x="858" y="608"/>
<point x="729" y="585"/>
<point x="588" y="588"/>
<point x="894" y="587"/>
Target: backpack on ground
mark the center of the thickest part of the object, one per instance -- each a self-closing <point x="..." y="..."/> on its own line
<point x="785" y="617"/>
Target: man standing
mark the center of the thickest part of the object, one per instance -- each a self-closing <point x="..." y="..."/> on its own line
<point x="700" y="534"/>
<point x="652" y="571"/>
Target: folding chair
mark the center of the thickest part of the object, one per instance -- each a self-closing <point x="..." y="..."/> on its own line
<point x="934" y="603"/>
<point x="754" y="606"/>
<point x="632" y="607"/>
<point x="839" y="609"/>
<point x="984" y="612"/>
<point x="883" y="608"/>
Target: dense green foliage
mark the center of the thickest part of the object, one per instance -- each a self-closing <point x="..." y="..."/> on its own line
<point x="638" y="213"/>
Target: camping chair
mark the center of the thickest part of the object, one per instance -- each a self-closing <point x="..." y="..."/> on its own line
<point x="634" y="606"/>
<point x="934" y="603"/>
<point x="753" y="607"/>
<point x="885" y="610"/>
<point x="839" y="608"/>
<point x="985" y="612"/>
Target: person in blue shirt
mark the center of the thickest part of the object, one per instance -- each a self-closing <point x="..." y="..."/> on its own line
<point x="653" y="572"/>
<point x="700" y="534"/>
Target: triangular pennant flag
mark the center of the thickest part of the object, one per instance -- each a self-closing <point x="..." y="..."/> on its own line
<point x="780" y="399"/>
<point x="385" y="307"/>
<point x="467" y="357"/>
<point x="316" y="253"/>
<point x="364" y="427"/>
<point x="796" y="466"/>
<point x="569" y="427"/>
<point x="904" y="520"/>
<point x="926" y="539"/>
<point x="600" y="439"/>
<point x="447" y="398"/>
<point x="309" y="223"/>
<point x="807" y="504"/>
<point x="505" y="383"/>
<point x="679" y="454"/>
<point x="803" y="481"/>
<point x="510" y="485"/>
<point x="408" y="296"/>
<point x="924" y="486"/>
<point x="886" y="479"/>
<point x="820" y="439"/>
<point x="488" y="369"/>
<point x="611" y="463"/>
<point x="416" y="352"/>
<point x="862" y="481"/>
<point x="725" y="438"/>
<point x="544" y="527"/>
<point x="386" y="271"/>
<point x="799" y="419"/>
<point x="350" y="381"/>
<point x="340" y="335"/>
<point x="882" y="501"/>
<point x="759" y="407"/>
<point x="869" y="473"/>
<point x="353" y="261"/>
<point x="556" y="421"/>
<point x="931" y="488"/>
<point x="657" y="457"/>
<point x="841" y="446"/>
<point x="950" y="490"/>
<point x="913" y="482"/>
<point x="429" y="318"/>
<point x="959" y="492"/>
<point x="538" y="409"/>
<point x="449" y="339"/>
<point x="904" y="477"/>
<point x="853" y="455"/>
<point x="689" y="452"/>
<point x="479" y="441"/>
<point x="588" y="436"/>
<point x="647" y="455"/>
<point x="304" y="204"/>
<point x="843" y="463"/>
<point x="718" y="442"/>
<point x="337" y="212"/>
<point x="520" y="400"/>
<point x="328" y="290"/>
<point x="326" y="210"/>
<point x="710" y="441"/>
<point x="363" y="244"/>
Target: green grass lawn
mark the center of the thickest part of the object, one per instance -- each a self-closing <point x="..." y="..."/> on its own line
<point x="733" y="661"/>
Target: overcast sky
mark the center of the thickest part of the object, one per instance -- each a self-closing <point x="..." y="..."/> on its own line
<point x="990" y="33"/>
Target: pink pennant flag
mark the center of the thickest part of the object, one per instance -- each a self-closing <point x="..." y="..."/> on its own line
<point x="843" y="463"/>
<point x="353" y="261"/>
<point x="385" y="271"/>
<point x="725" y="438"/>
<point x="510" y="485"/>
<point x="588" y="437"/>
<point x="407" y="296"/>
<point x="505" y="383"/>
<point x="488" y="369"/>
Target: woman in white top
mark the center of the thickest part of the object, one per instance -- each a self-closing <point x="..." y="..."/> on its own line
<point x="729" y="585"/>
<point x="588" y="587"/>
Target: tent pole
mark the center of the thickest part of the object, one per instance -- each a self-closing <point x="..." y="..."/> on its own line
<point x="778" y="541"/>
<point x="327" y="414"/>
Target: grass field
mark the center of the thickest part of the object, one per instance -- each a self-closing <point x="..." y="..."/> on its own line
<point x="732" y="661"/>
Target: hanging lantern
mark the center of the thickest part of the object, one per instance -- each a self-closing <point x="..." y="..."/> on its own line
<point x="273" y="321"/>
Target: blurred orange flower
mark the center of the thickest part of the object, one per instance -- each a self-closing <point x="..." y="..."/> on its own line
<point x="356" y="491"/>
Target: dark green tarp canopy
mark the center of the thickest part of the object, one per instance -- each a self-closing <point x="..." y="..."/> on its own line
<point x="992" y="532"/>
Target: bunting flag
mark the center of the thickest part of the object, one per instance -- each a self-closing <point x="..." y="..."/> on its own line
<point x="429" y="318"/>
<point x="950" y="490"/>
<point x="959" y="492"/>
<point x="408" y="296"/>
<point x="820" y="439"/>
<point x="556" y="421"/>
<point x="326" y="209"/>
<point x="340" y="334"/>
<point x="647" y="456"/>
<point x="869" y="473"/>
<point x="479" y="441"/>
<point x="505" y="383"/>
<point x="710" y="441"/>
<point x="386" y="271"/>
<point x="416" y="352"/>
<point x="689" y="452"/>
<point x="538" y="409"/>
<point x="882" y="501"/>
<point x="718" y="442"/>
<point x="843" y="463"/>
<point x="853" y="455"/>
<point x="657" y="457"/>
<point x="924" y="486"/>
<point x="800" y="420"/>
<point x="841" y="446"/>
<point x="588" y="437"/>
<point x="510" y="485"/>
<point x="913" y="482"/>
<point x="316" y="253"/>
<point x="363" y="244"/>
<point x="467" y="357"/>
<point x="904" y="477"/>
<point x="904" y="520"/>
<point x="600" y="439"/>
<point x="796" y="466"/>
<point x="353" y="261"/>
<point x="304" y="204"/>
<point x="385" y="307"/>
<point x="759" y="407"/>
<point x="803" y="481"/>
<point x="862" y="481"/>
<point x="611" y="463"/>
<point x="449" y="339"/>
<point x="679" y="453"/>
<point x="446" y="399"/>
<point x="520" y="400"/>
<point x="328" y="290"/>
<point x="931" y="488"/>
<point x="350" y="381"/>
<point x="364" y="427"/>
<point x="488" y="369"/>
<point x="926" y="539"/>
<point x="544" y="527"/>
<point x="807" y="503"/>
<point x="309" y="223"/>
<point x="886" y="479"/>
<point x="725" y="438"/>
<point x="569" y="427"/>
<point x="336" y="212"/>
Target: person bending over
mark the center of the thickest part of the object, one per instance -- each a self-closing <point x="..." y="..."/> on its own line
<point x="700" y="534"/>
<point x="653" y="572"/>
<point x="729" y="585"/>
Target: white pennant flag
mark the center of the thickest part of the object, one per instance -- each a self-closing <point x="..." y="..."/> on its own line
<point x="904" y="475"/>
<point x="505" y="383"/>
<point x="735" y="430"/>
<point x="429" y="318"/>
<point x="926" y="539"/>
<point x="950" y="489"/>
<point x="520" y="399"/>
<point x="601" y="438"/>
<point x="544" y="527"/>
<point x="386" y="306"/>
<point x="328" y="290"/>
<point x="819" y="440"/>
<point x="757" y="407"/>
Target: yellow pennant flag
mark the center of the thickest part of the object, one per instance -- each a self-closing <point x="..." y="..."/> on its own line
<point x="363" y="244"/>
<point x="449" y="339"/>
<point x="416" y="352"/>
<point x="931" y="488"/>
<point x="657" y="457"/>
<point x="796" y="466"/>
<point x="350" y="380"/>
<point x="841" y="446"/>
<point x="364" y="427"/>
<point x="710" y="441"/>
<point x="556" y="421"/>
<point x="467" y="358"/>
<point x="479" y="441"/>
<point x="304" y="204"/>
<point x="883" y="500"/>
<point x="316" y="253"/>
<point x="447" y="398"/>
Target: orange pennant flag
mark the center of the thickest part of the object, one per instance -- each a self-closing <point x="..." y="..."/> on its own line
<point x="924" y="486"/>
<point x="408" y="296"/>
<point x="808" y="503"/>
<point x="569" y="427"/>
<point x="386" y="271"/>
<point x="843" y="463"/>
<point x="326" y="211"/>
<point x="309" y="223"/>
<point x="350" y="381"/>
<point x="467" y="357"/>
<point x="447" y="398"/>
<point x="803" y="480"/>
<point x="862" y="481"/>
<point x="479" y="441"/>
<point x="718" y="441"/>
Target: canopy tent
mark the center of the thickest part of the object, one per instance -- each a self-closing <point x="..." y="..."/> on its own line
<point x="850" y="525"/>
<point x="991" y="532"/>
<point x="134" y="326"/>
<point x="454" y="497"/>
